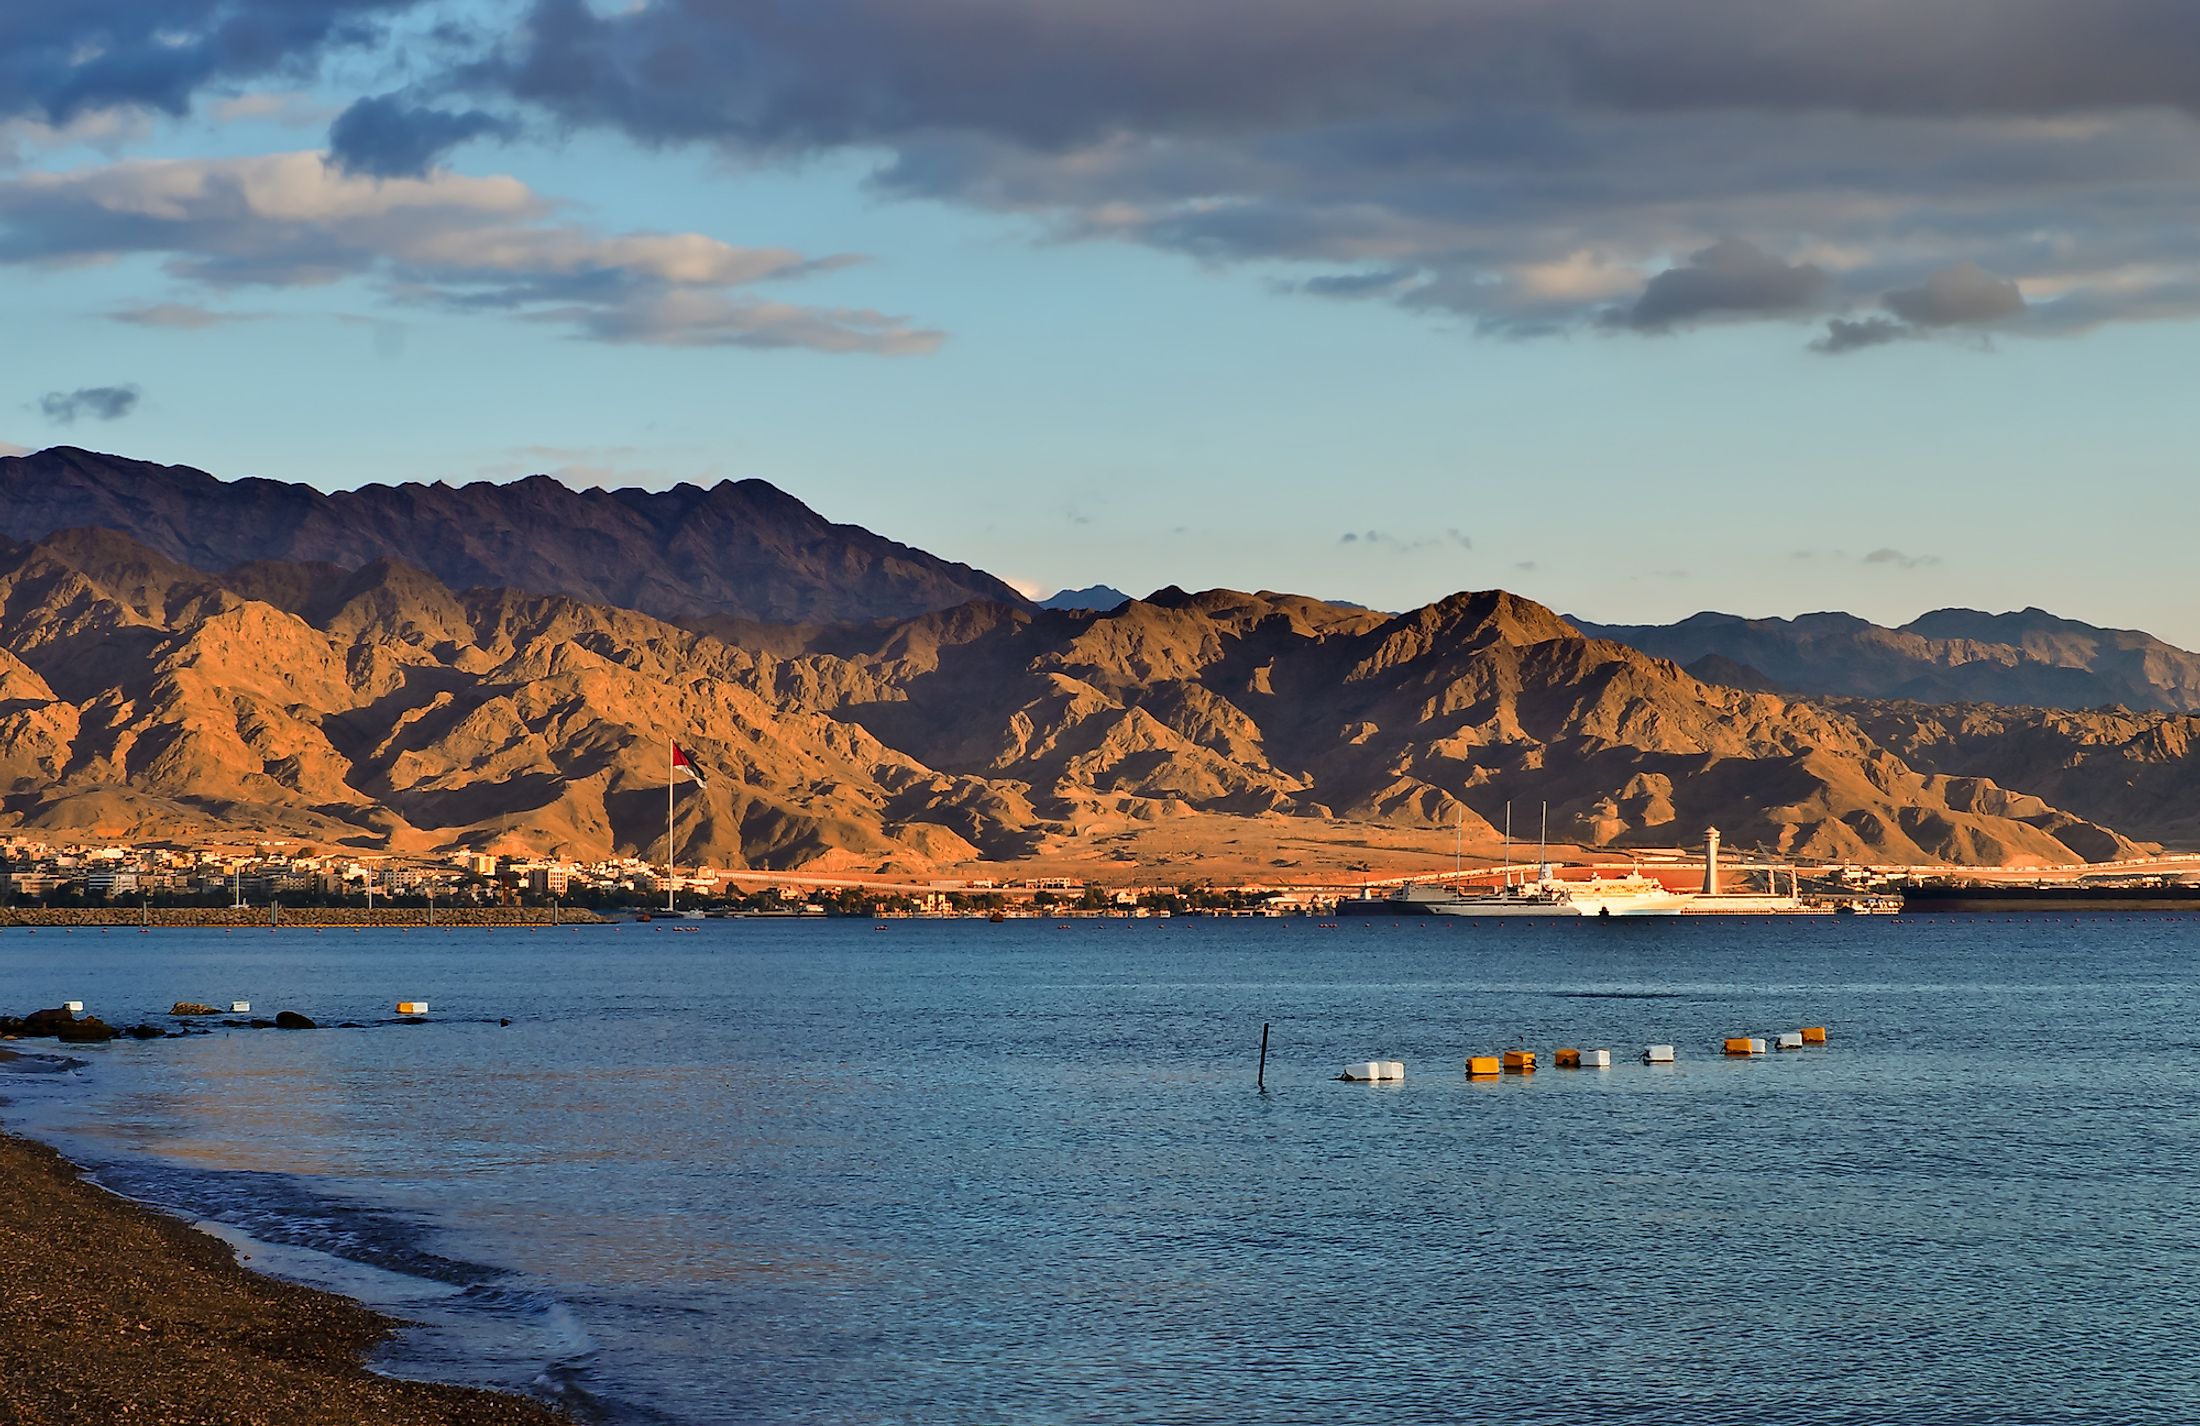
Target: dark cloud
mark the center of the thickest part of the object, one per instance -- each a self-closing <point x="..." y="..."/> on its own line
<point x="1731" y="278"/>
<point x="1529" y="168"/>
<point x="1358" y="285"/>
<point x="62" y="58"/>
<point x="386" y="137"/>
<point x="97" y="403"/>
<point x="1846" y="335"/>
<point x="1067" y="73"/>
<point x="1509" y="167"/>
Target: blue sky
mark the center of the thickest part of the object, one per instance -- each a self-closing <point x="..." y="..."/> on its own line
<point x="1141" y="323"/>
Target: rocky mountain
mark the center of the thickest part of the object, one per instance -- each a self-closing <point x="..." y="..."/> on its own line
<point x="2026" y="659"/>
<point x="378" y="707"/>
<point x="2134" y="771"/>
<point x="742" y="549"/>
<point x="1099" y="598"/>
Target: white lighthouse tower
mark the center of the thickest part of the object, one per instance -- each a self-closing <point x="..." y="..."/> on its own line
<point x="1711" y="861"/>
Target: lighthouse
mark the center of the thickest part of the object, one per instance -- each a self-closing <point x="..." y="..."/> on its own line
<point x="1711" y="861"/>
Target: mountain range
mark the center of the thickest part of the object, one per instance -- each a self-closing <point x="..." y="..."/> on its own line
<point x="415" y="666"/>
<point x="2026" y="659"/>
<point x="739" y="549"/>
<point x="377" y="707"/>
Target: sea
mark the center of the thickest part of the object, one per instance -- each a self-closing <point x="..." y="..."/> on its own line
<point x="811" y="1171"/>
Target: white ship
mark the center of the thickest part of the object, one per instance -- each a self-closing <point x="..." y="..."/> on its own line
<point x="1418" y="899"/>
<point x="1631" y="895"/>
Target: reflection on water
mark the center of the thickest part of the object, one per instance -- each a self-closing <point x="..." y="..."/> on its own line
<point x="957" y="1172"/>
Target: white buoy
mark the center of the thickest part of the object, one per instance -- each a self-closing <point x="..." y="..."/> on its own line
<point x="240" y="1007"/>
<point x="1792" y="1040"/>
<point x="1657" y="1054"/>
<point x="1596" y="1059"/>
<point x="1375" y="1071"/>
<point x="74" y="1007"/>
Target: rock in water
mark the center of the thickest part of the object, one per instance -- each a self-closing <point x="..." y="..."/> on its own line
<point x="48" y="1022"/>
<point x="191" y="1007"/>
<point x="90" y="1030"/>
<point x="292" y="1020"/>
<point x="146" y="1032"/>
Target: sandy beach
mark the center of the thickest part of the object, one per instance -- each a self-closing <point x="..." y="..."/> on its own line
<point x="113" y="1313"/>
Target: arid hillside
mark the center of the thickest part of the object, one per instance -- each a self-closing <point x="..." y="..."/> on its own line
<point x="741" y="549"/>
<point x="377" y="707"/>
<point x="2133" y="771"/>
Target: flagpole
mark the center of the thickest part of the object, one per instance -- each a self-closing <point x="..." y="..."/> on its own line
<point x="668" y="825"/>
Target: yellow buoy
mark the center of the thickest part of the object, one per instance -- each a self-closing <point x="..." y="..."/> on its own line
<point x="1744" y="1045"/>
<point x="1484" y="1066"/>
<point x="1567" y="1059"/>
<point x="1814" y="1034"/>
<point x="1520" y="1062"/>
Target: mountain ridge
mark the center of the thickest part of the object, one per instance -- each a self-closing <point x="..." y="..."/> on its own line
<point x="742" y="549"/>
<point x="2023" y="658"/>
<point x="376" y="707"/>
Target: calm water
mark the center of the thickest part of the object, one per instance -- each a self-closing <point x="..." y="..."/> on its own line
<point x="945" y="1172"/>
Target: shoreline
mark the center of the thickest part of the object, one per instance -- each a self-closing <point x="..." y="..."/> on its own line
<point x="116" y="1311"/>
<point x="301" y="917"/>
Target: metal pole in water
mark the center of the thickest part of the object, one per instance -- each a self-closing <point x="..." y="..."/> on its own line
<point x="1260" y="1079"/>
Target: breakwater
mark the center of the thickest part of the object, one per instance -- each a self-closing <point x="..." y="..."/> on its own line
<point x="294" y="917"/>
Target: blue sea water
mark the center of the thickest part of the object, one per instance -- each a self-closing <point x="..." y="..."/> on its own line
<point x="957" y="1172"/>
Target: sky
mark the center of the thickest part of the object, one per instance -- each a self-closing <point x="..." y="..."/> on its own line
<point x="1635" y="307"/>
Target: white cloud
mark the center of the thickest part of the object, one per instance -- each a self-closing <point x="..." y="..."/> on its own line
<point x="475" y="243"/>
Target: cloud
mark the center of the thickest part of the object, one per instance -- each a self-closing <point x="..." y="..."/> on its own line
<point x="1844" y="335"/>
<point x="1881" y="556"/>
<point x="180" y="316"/>
<point x="1527" y="168"/>
<point x="1506" y="167"/>
<point x="10" y="448"/>
<point x="385" y="137"/>
<point x="98" y="403"/>
<point x="61" y="60"/>
<point x="1405" y="544"/>
<point x="1960" y="295"/>
<point x="448" y="241"/>
<point x="1731" y="278"/>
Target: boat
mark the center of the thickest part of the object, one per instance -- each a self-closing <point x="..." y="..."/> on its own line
<point x="1429" y="899"/>
<point x="1631" y="895"/>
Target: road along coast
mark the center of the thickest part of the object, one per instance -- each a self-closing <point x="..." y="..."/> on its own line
<point x="116" y="1313"/>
